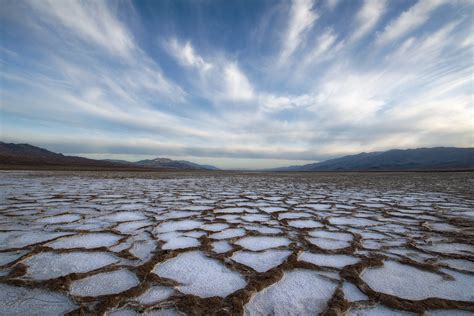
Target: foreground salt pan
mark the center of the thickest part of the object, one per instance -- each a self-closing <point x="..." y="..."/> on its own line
<point x="299" y="292"/>
<point x="261" y="243"/>
<point x="261" y="261"/>
<point x="49" y="265"/>
<point x="151" y="244"/>
<point x="85" y="241"/>
<point x="378" y="310"/>
<point x="23" y="301"/>
<point x="335" y="261"/>
<point x="104" y="283"/>
<point x="414" y="284"/>
<point x="200" y="275"/>
<point x="154" y="295"/>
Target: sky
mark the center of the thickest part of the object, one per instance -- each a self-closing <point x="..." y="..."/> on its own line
<point x="236" y="84"/>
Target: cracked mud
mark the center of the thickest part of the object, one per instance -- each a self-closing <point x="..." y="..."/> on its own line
<point x="80" y="243"/>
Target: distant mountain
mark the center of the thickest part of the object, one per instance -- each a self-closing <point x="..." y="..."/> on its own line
<point x="438" y="158"/>
<point x="172" y="164"/>
<point x="28" y="155"/>
<point x="25" y="154"/>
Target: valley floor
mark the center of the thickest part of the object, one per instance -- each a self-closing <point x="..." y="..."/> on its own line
<point x="124" y="243"/>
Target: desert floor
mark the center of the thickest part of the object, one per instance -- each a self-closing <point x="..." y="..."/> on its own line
<point x="123" y="243"/>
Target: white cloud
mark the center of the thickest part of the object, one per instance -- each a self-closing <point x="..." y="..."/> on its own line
<point x="271" y="102"/>
<point x="408" y="21"/>
<point x="92" y="21"/>
<point x="302" y="18"/>
<point x="185" y="55"/>
<point x="349" y="96"/>
<point x="368" y="17"/>
<point x="324" y="48"/>
<point x="135" y="75"/>
<point x="414" y="51"/>
<point x="238" y="87"/>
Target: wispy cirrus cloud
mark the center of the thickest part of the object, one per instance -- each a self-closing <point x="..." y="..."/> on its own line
<point x="92" y="21"/>
<point x="186" y="55"/>
<point x="122" y="78"/>
<point x="301" y="19"/>
<point x="408" y="21"/>
<point x="367" y="18"/>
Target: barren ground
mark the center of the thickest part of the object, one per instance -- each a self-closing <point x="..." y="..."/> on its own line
<point x="118" y="243"/>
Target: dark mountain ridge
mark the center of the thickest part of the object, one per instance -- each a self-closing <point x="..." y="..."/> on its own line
<point x="437" y="158"/>
<point x="29" y="155"/>
<point x="173" y="164"/>
<point x="25" y="154"/>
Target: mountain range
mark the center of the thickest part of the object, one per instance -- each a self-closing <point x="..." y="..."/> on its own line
<point x="420" y="159"/>
<point x="29" y="155"/>
<point x="165" y="163"/>
<point x="437" y="158"/>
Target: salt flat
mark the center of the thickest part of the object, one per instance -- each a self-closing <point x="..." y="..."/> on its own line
<point x="231" y="243"/>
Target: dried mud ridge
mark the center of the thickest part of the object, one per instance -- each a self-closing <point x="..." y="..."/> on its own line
<point x="345" y="230"/>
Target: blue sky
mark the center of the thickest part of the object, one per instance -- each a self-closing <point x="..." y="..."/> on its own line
<point x="236" y="84"/>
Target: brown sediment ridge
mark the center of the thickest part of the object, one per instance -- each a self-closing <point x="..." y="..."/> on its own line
<point x="412" y="212"/>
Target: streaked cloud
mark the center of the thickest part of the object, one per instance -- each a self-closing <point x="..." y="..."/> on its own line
<point x="301" y="19"/>
<point x="408" y="21"/>
<point x="324" y="78"/>
<point x="368" y="17"/>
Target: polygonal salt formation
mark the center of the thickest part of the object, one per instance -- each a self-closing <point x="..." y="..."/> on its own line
<point x="200" y="275"/>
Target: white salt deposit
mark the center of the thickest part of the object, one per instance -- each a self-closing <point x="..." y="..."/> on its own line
<point x="305" y="224"/>
<point x="377" y="310"/>
<point x="292" y="215"/>
<point x="329" y="243"/>
<point x="195" y="234"/>
<point x="154" y="295"/>
<point x="87" y="241"/>
<point x="131" y="226"/>
<point x="261" y="261"/>
<point x="48" y="265"/>
<point x="414" y="284"/>
<point x="255" y="218"/>
<point x="233" y="210"/>
<point x="318" y="207"/>
<point x="104" y="283"/>
<point x="179" y="242"/>
<point x="180" y="214"/>
<point x="214" y="227"/>
<point x="448" y="312"/>
<point x="142" y="249"/>
<point x="352" y="293"/>
<point x="25" y="301"/>
<point x="272" y="209"/>
<point x="22" y="239"/>
<point x="178" y="225"/>
<point x="228" y="233"/>
<point x="221" y="246"/>
<point x="331" y="235"/>
<point x="335" y="261"/>
<point x="352" y="221"/>
<point x="299" y="292"/>
<point x="200" y="275"/>
<point x="65" y="218"/>
<point x="261" y="243"/>
<point x="372" y="235"/>
<point x="124" y="216"/>
<point x="455" y="248"/>
<point x="264" y="229"/>
<point x="8" y="257"/>
<point x="461" y="264"/>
